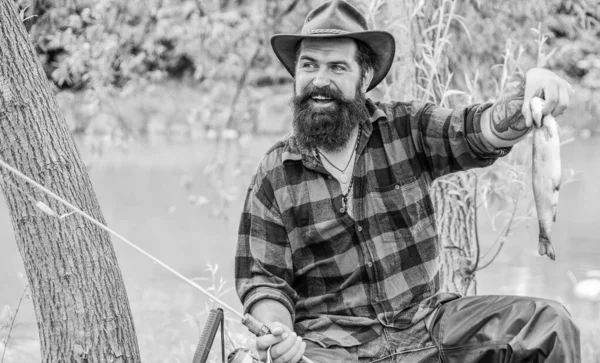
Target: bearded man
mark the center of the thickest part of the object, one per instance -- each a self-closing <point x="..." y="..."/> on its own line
<point x="338" y="252"/>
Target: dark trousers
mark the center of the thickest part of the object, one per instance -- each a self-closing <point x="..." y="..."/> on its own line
<point x="473" y="329"/>
<point x="505" y="329"/>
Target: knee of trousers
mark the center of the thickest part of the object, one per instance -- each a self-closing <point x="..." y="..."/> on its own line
<point x="549" y="332"/>
<point x="551" y="318"/>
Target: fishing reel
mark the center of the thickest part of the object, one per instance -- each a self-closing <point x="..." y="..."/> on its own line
<point x="215" y="321"/>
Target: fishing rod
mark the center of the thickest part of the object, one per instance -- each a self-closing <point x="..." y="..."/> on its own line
<point x="255" y="327"/>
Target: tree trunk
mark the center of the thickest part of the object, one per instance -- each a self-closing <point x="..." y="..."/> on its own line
<point x="455" y="215"/>
<point x="78" y="293"/>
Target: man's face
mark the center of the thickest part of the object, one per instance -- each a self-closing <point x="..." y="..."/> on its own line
<point x="328" y="63"/>
<point x="329" y="93"/>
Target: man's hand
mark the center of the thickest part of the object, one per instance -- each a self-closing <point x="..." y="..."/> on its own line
<point x="509" y="119"/>
<point x="286" y="346"/>
<point x="554" y="90"/>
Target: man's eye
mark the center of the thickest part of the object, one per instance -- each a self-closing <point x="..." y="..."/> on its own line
<point x="339" y="68"/>
<point x="308" y="65"/>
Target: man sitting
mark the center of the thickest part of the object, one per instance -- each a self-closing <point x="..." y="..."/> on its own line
<point x="338" y="252"/>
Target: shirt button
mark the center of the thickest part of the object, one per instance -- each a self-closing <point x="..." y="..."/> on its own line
<point x="370" y="264"/>
<point x="342" y="210"/>
<point x="329" y="177"/>
<point x="359" y="228"/>
<point x="397" y="187"/>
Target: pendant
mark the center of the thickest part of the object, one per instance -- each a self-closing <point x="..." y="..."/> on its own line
<point x="344" y="178"/>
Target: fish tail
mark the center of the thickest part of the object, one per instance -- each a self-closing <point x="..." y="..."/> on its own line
<point x="544" y="245"/>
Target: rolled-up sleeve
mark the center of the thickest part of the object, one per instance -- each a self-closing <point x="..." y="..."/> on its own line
<point x="263" y="262"/>
<point x="451" y="139"/>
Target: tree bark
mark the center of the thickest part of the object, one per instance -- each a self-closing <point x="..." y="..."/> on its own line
<point x="78" y="294"/>
<point x="455" y="215"/>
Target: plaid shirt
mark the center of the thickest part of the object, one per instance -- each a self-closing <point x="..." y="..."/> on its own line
<point x="342" y="278"/>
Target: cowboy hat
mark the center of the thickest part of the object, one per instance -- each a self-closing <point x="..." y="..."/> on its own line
<point x="336" y="19"/>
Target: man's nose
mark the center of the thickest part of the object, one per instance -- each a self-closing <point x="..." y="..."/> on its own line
<point x="321" y="79"/>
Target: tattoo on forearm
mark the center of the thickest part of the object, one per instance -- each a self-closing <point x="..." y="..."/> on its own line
<point x="507" y="121"/>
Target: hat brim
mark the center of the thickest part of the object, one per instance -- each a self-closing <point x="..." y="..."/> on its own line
<point x="381" y="42"/>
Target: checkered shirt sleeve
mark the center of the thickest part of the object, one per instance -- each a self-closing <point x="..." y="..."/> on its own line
<point x="451" y="139"/>
<point x="263" y="259"/>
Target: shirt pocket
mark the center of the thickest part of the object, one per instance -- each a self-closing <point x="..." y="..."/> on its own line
<point x="402" y="212"/>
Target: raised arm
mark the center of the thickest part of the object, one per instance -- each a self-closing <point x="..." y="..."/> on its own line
<point x="509" y="119"/>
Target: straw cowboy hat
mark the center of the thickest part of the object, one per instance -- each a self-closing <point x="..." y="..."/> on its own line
<point x="336" y="19"/>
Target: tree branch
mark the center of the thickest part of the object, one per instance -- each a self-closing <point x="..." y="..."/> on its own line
<point x="242" y="81"/>
<point x="474" y="269"/>
<point x="240" y="86"/>
<point x="502" y="238"/>
<point x="288" y="10"/>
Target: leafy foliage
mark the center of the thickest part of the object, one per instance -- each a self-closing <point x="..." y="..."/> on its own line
<point x="112" y="42"/>
<point x="572" y="26"/>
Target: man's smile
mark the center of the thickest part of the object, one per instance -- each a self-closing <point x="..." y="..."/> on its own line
<point x="321" y="101"/>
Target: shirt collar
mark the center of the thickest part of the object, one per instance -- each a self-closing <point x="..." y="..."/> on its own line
<point x="293" y="151"/>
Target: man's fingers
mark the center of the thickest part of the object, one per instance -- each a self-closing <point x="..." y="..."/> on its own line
<point x="278" y="330"/>
<point x="265" y="341"/>
<point x="289" y="355"/>
<point x="537" y="104"/>
<point x="526" y="111"/>
<point x="282" y="347"/>
<point x="300" y="353"/>
<point x="551" y="97"/>
<point x="563" y="102"/>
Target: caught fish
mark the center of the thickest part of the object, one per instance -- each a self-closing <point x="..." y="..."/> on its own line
<point x="546" y="173"/>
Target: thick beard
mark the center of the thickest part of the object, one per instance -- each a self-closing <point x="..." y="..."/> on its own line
<point x="328" y="128"/>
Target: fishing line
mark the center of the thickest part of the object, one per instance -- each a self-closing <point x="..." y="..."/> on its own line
<point x="107" y="229"/>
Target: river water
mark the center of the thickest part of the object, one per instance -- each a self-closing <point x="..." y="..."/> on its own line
<point x="143" y="196"/>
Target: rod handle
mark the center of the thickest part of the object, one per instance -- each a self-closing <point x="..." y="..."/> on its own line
<point x="256" y="327"/>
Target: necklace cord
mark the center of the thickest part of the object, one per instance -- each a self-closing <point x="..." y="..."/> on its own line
<point x="330" y="163"/>
<point x="354" y="151"/>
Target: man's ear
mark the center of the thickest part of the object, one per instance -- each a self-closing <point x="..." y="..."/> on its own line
<point x="367" y="78"/>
